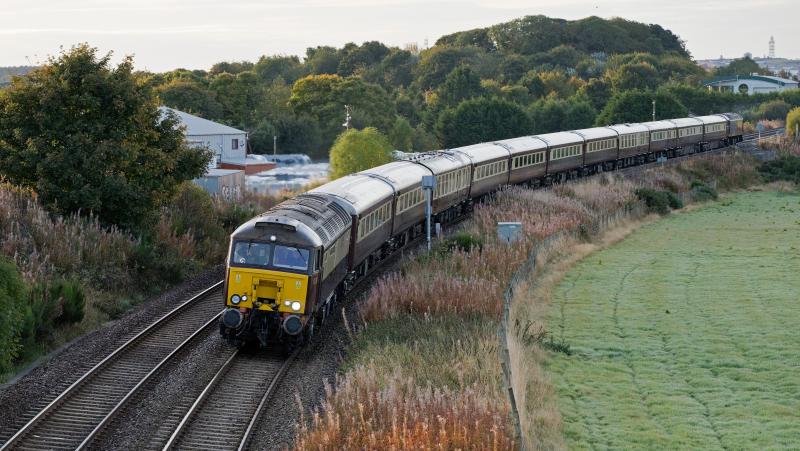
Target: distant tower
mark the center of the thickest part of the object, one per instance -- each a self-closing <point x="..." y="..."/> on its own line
<point x="772" y="46"/>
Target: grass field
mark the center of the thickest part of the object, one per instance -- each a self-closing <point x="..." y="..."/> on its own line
<point x="685" y="334"/>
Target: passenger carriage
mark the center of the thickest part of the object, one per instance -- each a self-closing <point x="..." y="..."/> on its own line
<point x="452" y="172"/>
<point x="528" y="159"/>
<point x="564" y="154"/>
<point x="663" y="137"/>
<point x="490" y="167"/>
<point x="690" y="133"/>
<point x="634" y="143"/>
<point x="715" y="131"/>
<point x="600" y="148"/>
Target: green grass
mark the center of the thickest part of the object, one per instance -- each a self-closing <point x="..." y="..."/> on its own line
<point x="684" y="335"/>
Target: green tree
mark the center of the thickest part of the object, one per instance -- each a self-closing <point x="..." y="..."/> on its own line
<point x="300" y="134"/>
<point x="640" y="76"/>
<point x="793" y="123"/>
<point x="741" y="66"/>
<point x="323" y="97"/>
<point x="598" y="91"/>
<point x="89" y="137"/>
<point x="357" y="150"/>
<point x="190" y="96"/>
<point x="322" y="60"/>
<point x="270" y="68"/>
<point x="437" y="62"/>
<point x="402" y="135"/>
<point x="637" y="106"/>
<point x="460" y="85"/>
<point x="479" y="120"/>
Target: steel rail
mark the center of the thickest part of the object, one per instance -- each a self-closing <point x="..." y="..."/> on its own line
<point x="95" y="370"/>
<point x="118" y="408"/>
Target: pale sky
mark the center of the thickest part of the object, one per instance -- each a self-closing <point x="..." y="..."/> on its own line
<point x="194" y="34"/>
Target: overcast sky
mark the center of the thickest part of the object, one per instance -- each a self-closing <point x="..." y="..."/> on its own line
<point x="166" y="34"/>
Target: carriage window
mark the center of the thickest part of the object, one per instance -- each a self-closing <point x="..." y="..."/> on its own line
<point x="251" y="254"/>
<point x="291" y="258"/>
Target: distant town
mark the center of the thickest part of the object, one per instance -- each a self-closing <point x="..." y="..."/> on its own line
<point x="782" y="67"/>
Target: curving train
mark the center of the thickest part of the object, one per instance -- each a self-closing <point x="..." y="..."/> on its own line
<point x="287" y="267"/>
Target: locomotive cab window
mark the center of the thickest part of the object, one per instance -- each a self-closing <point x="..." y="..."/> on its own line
<point x="251" y="254"/>
<point x="290" y="257"/>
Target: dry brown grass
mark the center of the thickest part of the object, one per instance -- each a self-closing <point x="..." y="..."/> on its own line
<point x="371" y="412"/>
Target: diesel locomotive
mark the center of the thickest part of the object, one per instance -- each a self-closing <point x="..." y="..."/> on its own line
<point x="287" y="267"/>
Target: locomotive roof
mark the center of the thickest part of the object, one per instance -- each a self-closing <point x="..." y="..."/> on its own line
<point x="358" y="192"/>
<point x="733" y="116"/>
<point x="561" y="138"/>
<point x="686" y="122"/>
<point x="596" y="133"/>
<point x="712" y="119"/>
<point x="479" y="153"/>
<point x="625" y="129"/>
<point x="659" y="125"/>
<point x="440" y="162"/>
<point x="306" y="220"/>
<point x="402" y="174"/>
<point x="522" y="144"/>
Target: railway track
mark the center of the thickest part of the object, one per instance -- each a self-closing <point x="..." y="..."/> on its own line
<point x="225" y="414"/>
<point x="79" y="413"/>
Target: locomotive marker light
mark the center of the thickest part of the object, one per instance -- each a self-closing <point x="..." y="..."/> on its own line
<point x="428" y="184"/>
<point x="509" y="231"/>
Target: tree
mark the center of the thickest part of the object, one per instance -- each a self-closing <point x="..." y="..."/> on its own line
<point x="741" y="66"/>
<point x="437" y="62"/>
<point x="89" y="137"/>
<point x="642" y="76"/>
<point x="323" y="97"/>
<point x="190" y="96"/>
<point x="637" y="106"/>
<point x="322" y="60"/>
<point x="774" y="110"/>
<point x="479" y="120"/>
<point x="793" y="123"/>
<point x="300" y="134"/>
<point x="357" y="150"/>
<point x="401" y="136"/>
<point x="598" y="91"/>
<point x="270" y="68"/>
<point x="461" y="84"/>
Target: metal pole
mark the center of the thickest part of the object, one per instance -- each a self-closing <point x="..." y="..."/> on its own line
<point x="428" y="217"/>
<point x="654" y="110"/>
<point x="274" y="145"/>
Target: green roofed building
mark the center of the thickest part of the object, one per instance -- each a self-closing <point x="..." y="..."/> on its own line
<point x="749" y="84"/>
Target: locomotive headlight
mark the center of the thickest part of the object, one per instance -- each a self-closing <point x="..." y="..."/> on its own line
<point x="244" y="297"/>
<point x="235" y="299"/>
<point x="296" y="306"/>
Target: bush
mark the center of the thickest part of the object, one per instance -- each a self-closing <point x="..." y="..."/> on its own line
<point x="787" y="167"/>
<point x="12" y="292"/>
<point x="702" y="192"/>
<point x="463" y="241"/>
<point x="69" y="294"/>
<point x="658" y="201"/>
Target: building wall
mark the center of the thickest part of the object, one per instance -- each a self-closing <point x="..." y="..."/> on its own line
<point x="753" y="86"/>
<point x="221" y="145"/>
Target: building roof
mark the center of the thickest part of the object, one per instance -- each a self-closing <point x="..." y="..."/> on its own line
<point x="197" y="126"/>
<point x="766" y="78"/>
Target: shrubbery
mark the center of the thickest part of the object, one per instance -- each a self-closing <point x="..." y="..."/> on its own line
<point x="660" y="202"/>
<point x="786" y="167"/>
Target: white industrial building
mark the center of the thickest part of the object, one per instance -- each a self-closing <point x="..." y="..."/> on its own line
<point x="228" y="144"/>
<point x="750" y="84"/>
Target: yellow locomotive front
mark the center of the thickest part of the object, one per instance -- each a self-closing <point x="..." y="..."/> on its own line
<point x="271" y="281"/>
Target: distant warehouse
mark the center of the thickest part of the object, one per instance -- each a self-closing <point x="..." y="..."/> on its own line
<point x="230" y="163"/>
<point x="228" y="144"/>
<point x="750" y="84"/>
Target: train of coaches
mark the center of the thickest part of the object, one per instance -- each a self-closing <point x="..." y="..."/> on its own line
<point x="287" y="267"/>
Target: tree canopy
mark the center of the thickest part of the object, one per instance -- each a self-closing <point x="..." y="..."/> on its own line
<point x="637" y="106"/>
<point x="481" y="120"/>
<point x="357" y="150"/>
<point x="89" y="137"/>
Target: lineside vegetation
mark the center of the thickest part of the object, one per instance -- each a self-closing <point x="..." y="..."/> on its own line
<point x="430" y="331"/>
